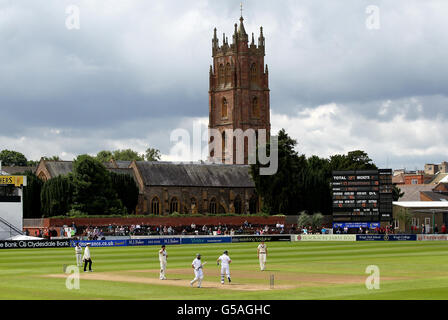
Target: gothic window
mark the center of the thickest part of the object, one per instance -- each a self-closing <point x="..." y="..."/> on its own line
<point x="228" y="74"/>
<point x="253" y="73"/>
<point x="155" y="206"/>
<point x="223" y="139"/>
<point x="174" y="205"/>
<point x="224" y="108"/>
<point x="255" y="108"/>
<point x="212" y="206"/>
<point x="221" y="74"/>
<point x="237" y="204"/>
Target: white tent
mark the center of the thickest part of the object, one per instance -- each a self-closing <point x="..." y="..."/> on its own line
<point x="22" y="237"/>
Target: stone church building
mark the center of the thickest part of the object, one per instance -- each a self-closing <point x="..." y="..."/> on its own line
<point x="238" y="99"/>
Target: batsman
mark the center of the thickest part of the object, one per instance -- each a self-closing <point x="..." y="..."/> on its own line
<point x="225" y="265"/>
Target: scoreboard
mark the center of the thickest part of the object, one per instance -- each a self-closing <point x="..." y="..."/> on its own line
<point x="362" y="195"/>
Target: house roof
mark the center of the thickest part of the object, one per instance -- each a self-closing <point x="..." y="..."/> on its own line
<point x="157" y="173"/>
<point x="398" y="178"/>
<point x="58" y="168"/>
<point x="412" y="191"/>
<point x="19" y="169"/>
<point x="438" y="178"/>
<point x="123" y="164"/>
<point x="435" y="196"/>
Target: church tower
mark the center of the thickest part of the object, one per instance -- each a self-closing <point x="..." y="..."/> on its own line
<point x="239" y="87"/>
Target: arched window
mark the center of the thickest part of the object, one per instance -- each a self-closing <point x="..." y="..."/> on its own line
<point x="255" y="108"/>
<point x="228" y="74"/>
<point x="253" y="73"/>
<point x="155" y="208"/>
<point x="212" y="206"/>
<point x="238" y="205"/>
<point x="174" y="205"/>
<point x="221" y="74"/>
<point x="224" y="111"/>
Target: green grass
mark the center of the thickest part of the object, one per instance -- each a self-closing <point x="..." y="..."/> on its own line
<point x="409" y="270"/>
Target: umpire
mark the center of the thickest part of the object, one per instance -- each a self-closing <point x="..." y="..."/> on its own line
<point x="87" y="258"/>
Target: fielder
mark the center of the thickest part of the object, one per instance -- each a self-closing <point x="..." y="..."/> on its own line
<point x="78" y="253"/>
<point x="262" y="253"/>
<point x="198" y="273"/>
<point x="162" y="258"/>
<point x="225" y="265"/>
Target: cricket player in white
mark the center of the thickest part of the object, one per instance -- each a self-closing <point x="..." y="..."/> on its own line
<point x="162" y="258"/>
<point x="262" y="252"/>
<point x="78" y="253"/>
<point x="87" y="258"/>
<point x="225" y="266"/>
<point x="198" y="273"/>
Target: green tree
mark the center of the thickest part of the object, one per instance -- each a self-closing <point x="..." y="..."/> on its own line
<point x="316" y="220"/>
<point x="127" y="155"/>
<point x="32" y="207"/>
<point x="104" y="156"/>
<point x="93" y="191"/>
<point x="396" y="193"/>
<point x="152" y="154"/>
<point x="56" y="196"/>
<point x="283" y="191"/>
<point x="12" y="158"/>
<point x="126" y="189"/>
<point x="304" y="219"/>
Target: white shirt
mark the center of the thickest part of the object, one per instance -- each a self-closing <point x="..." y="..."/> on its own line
<point x="197" y="264"/>
<point x="262" y="248"/>
<point x="78" y="250"/>
<point x="225" y="260"/>
<point x="162" y="255"/>
<point x="86" y="253"/>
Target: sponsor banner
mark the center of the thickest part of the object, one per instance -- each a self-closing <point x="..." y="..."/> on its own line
<point x="325" y="237"/>
<point x="13" y="180"/>
<point x="99" y="243"/>
<point x="266" y="238"/>
<point x="23" y="244"/>
<point x="386" y="237"/>
<point x="369" y="225"/>
<point x="206" y="240"/>
<point x="432" y="237"/>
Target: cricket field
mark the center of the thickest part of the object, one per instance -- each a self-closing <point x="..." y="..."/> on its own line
<point x="300" y="270"/>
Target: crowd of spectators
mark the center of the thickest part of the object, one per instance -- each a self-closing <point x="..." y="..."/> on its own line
<point x="100" y="232"/>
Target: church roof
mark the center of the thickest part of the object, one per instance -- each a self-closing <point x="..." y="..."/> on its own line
<point x="157" y="173"/>
<point x="58" y="168"/>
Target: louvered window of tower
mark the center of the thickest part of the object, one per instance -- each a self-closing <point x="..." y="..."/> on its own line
<point x="228" y="74"/>
<point x="253" y="73"/>
<point x="221" y="74"/>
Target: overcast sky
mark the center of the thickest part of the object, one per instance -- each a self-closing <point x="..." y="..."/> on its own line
<point x="134" y="71"/>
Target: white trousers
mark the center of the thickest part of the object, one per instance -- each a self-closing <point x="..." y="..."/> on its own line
<point x="79" y="259"/>
<point x="162" y="270"/>
<point x="225" y="270"/>
<point x="198" y="276"/>
<point x="262" y="259"/>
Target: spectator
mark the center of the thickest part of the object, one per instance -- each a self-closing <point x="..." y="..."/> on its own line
<point x="443" y="228"/>
<point x="436" y="229"/>
<point x="423" y="228"/>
